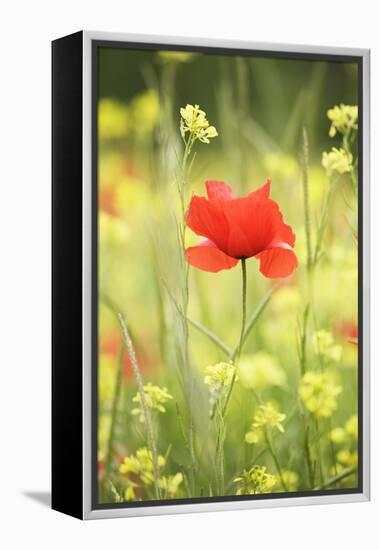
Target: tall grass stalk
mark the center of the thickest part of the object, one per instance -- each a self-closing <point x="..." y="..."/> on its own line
<point x="146" y="411"/>
<point x="115" y="403"/>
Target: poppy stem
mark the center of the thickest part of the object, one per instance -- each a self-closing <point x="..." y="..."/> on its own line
<point x="244" y="293"/>
<point x="242" y="335"/>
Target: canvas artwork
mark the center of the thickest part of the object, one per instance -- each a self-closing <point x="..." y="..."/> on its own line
<point x="228" y="238"/>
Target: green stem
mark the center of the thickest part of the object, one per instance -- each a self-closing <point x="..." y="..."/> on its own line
<point x="253" y="319"/>
<point x="213" y="337"/>
<point x="307" y="217"/>
<point x="275" y="459"/>
<point x="241" y="339"/>
<point x="146" y="410"/>
<point x="115" y="402"/>
<point x="319" y="451"/>
<point x="337" y="478"/>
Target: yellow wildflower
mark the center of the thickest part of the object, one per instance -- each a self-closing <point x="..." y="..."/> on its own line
<point x="344" y="118"/>
<point x="337" y="160"/>
<point x="338" y="435"/>
<point x="220" y="374"/>
<point x="155" y="399"/>
<point x="141" y="464"/>
<point x="324" y="344"/>
<point x="351" y="426"/>
<point x="319" y="392"/>
<point x="349" y="433"/>
<point x="266" y="417"/>
<point x="347" y="458"/>
<point x="113" y="119"/>
<point x="170" y="484"/>
<point x="255" y="481"/>
<point x="260" y="371"/>
<point x="291" y="479"/>
<point x="145" y="112"/>
<point x="194" y="121"/>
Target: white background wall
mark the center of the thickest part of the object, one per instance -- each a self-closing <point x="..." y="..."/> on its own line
<point x="26" y="30"/>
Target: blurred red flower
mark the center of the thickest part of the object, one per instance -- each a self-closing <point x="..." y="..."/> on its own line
<point x="240" y="228"/>
<point x="110" y="343"/>
<point x="348" y="330"/>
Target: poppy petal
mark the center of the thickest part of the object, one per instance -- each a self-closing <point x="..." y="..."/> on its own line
<point x="253" y="222"/>
<point x="262" y="192"/>
<point x="207" y="219"/>
<point x="208" y="257"/>
<point x="277" y="261"/>
<point x="219" y="190"/>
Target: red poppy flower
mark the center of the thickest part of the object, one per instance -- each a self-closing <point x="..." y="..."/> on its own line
<point x="240" y="228"/>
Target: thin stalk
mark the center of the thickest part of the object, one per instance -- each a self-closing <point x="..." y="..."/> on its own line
<point x="332" y="449"/>
<point x="253" y="319"/>
<point x="319" y="451"/>
<point x="115" y="402"/>
<point x="241" y="338"/>
<point x="145" y="408"/>
<point x="182" y="185"/>
<point x="307" y="450"/>
<point x="275" y="459"/>
<point x="307" y="217"/>
<point x="219" y="454"/>
<point x="211" y="335"/>
<point x="337" y="478"/>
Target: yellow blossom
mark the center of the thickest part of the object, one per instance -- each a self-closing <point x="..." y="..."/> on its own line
<point x="145" y="112"/>
<point x="194" y="121"/>
<point x="351" y="426"/>
<point x="291" y="480"/>
<point x="260" y="371"/>
<point x="170" y="484"/>
<point x="255" y="481"/>
<point x="337" y="160"/>
<point x="141" y="464"/>
<point x="113" y="119"/>
<point x="344" y="118"/>
<point x="338" y="435"/>
<point x="155" y="399"/>
<point x="220" y="374"/>
<point x="347" y="458"/>
<point x="324" y="344"/>
<point x="319" y="392"/>
<point x="267" y="417"/>
<point x="349" y="433"/>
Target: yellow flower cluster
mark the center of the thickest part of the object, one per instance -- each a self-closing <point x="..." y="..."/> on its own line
<point x="141" y="465"/>
<point x="319" y="392"/>
<point x="194" y="121"/>
<point x="267" y="417"/>
<point x="324" y="345"/>
<point x="260" y="371"/>
<point x="337" y="160"/>
<point x="291" y="480"/>
<point x="220" y="374"/>
<point x="346" y="434"/>
<point x="170" y="484"/>
<point x="344" y="118"/>
<point x="156" y="397"/>
<point x="255" y="481"/>
<point x="118" y="120"/>
<point x="347" y="458"/>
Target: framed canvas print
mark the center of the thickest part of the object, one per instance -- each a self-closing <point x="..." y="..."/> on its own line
<point x="210" y="275"/>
